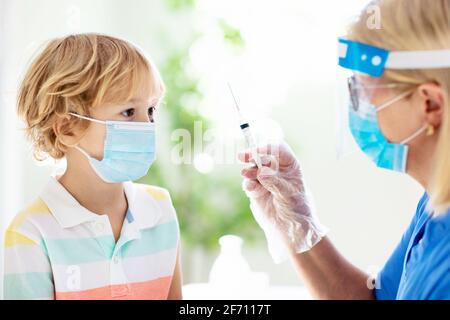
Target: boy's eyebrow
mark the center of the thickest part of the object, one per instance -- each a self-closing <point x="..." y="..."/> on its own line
<point x="152" y="101"/>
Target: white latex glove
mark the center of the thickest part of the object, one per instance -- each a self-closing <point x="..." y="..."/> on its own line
<point x="280" y="201"/>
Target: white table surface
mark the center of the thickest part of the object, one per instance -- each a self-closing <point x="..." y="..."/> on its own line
<point x="206" y="291"/>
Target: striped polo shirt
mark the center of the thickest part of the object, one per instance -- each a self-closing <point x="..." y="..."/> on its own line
<point x="57" y="249"/>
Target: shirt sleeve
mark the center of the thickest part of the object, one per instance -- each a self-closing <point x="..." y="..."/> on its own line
<point x="388" y="278"/>
<point x="27" y="270"/>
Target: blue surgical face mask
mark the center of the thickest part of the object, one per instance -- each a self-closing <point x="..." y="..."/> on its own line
<point x="367" y="134"/>
<point x="128" y="151"/>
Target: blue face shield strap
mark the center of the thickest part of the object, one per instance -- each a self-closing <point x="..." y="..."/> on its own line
<point x="371" y="60"/>
<point x="362" y="57"/>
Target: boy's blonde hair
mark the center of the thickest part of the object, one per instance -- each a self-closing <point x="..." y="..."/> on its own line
<point x="416" y="25"/>
<point x="74" y="74"/>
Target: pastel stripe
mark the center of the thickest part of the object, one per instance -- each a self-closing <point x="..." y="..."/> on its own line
<point x="13" y="238"/>
<point x="153" y="240"/>
<point x="156" y="193"/>
<point x="30" y="285"/>
<point x="38" y="207"/>
<point x="147" y="290"/>
<point x="75" y="251"/>
<point x="162" y="263"/>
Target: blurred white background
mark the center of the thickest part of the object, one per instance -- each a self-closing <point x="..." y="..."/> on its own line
<point x="285" y="72"/>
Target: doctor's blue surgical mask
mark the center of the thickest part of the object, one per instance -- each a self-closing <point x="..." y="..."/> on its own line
<point x="128" y="151"/>
<point x="370" y="139"/>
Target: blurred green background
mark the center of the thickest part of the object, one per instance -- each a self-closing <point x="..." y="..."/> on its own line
<point x="211" y="205"/>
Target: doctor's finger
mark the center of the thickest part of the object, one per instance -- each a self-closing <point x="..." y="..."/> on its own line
<point x="250" y="173"/>
<point x="254" y="189"/>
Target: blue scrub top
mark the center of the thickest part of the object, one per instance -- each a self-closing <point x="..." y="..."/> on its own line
<point x="419" y="268"/>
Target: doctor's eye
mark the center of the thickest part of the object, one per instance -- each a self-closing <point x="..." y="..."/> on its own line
<point x="128" y="113"/>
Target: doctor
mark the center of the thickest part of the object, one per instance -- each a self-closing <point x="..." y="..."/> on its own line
<point x="399" y="116"/>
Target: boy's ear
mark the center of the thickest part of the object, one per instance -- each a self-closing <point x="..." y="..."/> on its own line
<point x="65" y="130"/>
<point x="432" y="103"/>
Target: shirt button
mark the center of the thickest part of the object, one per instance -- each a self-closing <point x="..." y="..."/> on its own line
<point x="116" y="260"/>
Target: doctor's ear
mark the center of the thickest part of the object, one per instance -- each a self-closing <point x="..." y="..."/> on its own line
<point x="68" y="130"/>
<point x="432" y="102"/>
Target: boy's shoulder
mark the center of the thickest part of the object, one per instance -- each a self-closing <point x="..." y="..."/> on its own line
<point x="157" y="193"/>
<point x="26" y="222"/>
<point x="152" y="203"/>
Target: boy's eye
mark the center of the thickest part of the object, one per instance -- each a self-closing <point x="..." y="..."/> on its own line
<point x="128" y="113"/>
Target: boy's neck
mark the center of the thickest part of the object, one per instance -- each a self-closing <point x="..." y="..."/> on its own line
<point x="90" y="190"/>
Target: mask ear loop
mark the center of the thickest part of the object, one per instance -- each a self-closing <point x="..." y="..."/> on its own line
<point x="394" y="100"/>
<point x="87" y="118"/>
<point x="414" y="135"/>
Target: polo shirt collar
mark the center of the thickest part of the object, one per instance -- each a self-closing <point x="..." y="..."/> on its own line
<point x="63" y="206"/>
<point x="69" y="212"/>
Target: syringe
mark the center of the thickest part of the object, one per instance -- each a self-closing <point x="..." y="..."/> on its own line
<point x="245" y="128"/>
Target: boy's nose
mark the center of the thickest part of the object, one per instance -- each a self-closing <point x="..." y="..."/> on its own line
<point x="143" y="117"/>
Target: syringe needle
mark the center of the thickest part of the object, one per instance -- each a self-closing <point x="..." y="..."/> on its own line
<point x="234" y="97"/>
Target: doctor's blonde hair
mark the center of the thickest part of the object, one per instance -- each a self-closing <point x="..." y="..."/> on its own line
<point x="74" y="74"/>
<point x="416" y="25"/>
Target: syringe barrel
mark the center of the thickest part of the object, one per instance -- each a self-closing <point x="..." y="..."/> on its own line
<point x="249" y="139"/>
<point x="251" y="143"/>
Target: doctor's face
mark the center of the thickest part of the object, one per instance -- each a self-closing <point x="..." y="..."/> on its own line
<point x="401" y="118"/>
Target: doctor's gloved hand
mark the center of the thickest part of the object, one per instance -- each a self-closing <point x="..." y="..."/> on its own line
<point x="280" y="201"/>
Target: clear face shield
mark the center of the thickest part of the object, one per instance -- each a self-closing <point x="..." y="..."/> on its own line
<point x="363" y="92"/>
<point x="362" y="96"/>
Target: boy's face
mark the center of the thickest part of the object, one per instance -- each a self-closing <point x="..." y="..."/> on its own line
<point x="140" y="108"/>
